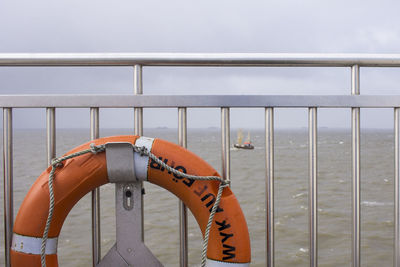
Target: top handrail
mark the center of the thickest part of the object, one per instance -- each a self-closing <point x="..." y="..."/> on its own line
<point x="199" y="59"/>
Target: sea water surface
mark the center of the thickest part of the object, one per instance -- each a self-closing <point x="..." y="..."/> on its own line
<point x="248" y="184"/>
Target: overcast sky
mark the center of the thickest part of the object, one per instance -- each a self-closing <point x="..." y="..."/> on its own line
<point x="200" y="26"/>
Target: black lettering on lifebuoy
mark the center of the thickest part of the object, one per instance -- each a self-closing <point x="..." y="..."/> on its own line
<point x="199" y="193"/>
<point x="176" y="178"/>
<point x="222" y="225"/>
<point x="155" y="165"/>
<point x="172" y="165"/>
<point x="188" y="182"/>
<point x="211" y="202"/>
<point x="165" y="161"/>
<point x="181" y="169"/>
<point x="226" y="236"/>
<point x="228" y="252"/>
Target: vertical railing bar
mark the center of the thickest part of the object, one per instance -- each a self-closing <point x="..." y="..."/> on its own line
<point x="138" y="117"/>
<point x="225" y="143"/>
<point x="183" y="234"/>
<point x="138" y="90"/>
<point x="269" y="168"/>
<point x="96" y="240"/>
<point x="51" y="133"/>
<point x="8" y="182"/>
<point x="313" y="192"/>
<point x="396" y="254"/>
<point x="356" y="169"/>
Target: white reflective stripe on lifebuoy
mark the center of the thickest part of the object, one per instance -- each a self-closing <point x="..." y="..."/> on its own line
<point x="212" y="263"/>
<point x="142" y="162"/>
<point x="32" y="245"/>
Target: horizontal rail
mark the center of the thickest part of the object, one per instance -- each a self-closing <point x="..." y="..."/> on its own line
<point x="199" y="59"/>
<point x="198" y="101"/>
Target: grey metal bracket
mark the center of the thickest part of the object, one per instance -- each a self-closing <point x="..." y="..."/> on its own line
<point x="129" y="249"/>
<point x="120" y="163"/>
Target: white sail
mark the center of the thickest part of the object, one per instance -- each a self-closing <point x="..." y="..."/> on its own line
<point x="248" y="138"/>
<point x="239" y="137"/>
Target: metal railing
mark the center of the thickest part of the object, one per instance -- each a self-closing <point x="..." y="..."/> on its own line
<point x="138" y="101"/>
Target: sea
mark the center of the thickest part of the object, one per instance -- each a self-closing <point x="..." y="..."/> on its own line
<point x="161" y="218"/>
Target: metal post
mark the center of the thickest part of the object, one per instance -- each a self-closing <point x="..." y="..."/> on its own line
<point x="355" y="128"/>
<point x="313" y="200"/>
<point x="138" y="118"/>
<point x="8" y="182"/>
<point x="94" y="123"/>
<point x="396" y="254"/>
<point x="138" y="90"/>
<point x="182" y="139"/>
<point x="51" y="134"/>
<point x="269" y="165"/>
<point x="225" y="141"/>
<point x="96" y="240"/>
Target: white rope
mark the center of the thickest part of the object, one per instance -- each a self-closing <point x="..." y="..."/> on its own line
<point x="57" y="162"/>
<point x="143" y="151"/>
<point x="222" y="185"/>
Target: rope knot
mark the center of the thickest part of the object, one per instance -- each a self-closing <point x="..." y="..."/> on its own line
<point x="56" y="162"/>
<point x="142" y="151"/>
<point x="96" y="149"/>
<point x="225" y="183"/>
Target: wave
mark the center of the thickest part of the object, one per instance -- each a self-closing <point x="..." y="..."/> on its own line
<point x="375" y="204"/>
<point x="298" y="195"/>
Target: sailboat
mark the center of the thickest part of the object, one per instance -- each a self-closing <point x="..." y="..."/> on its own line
<point x="244" y="145"/>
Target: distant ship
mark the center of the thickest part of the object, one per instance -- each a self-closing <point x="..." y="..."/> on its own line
<point x="243" y="145"/>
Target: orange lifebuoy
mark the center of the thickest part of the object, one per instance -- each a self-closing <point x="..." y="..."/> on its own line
<point x="229" y="241"/>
